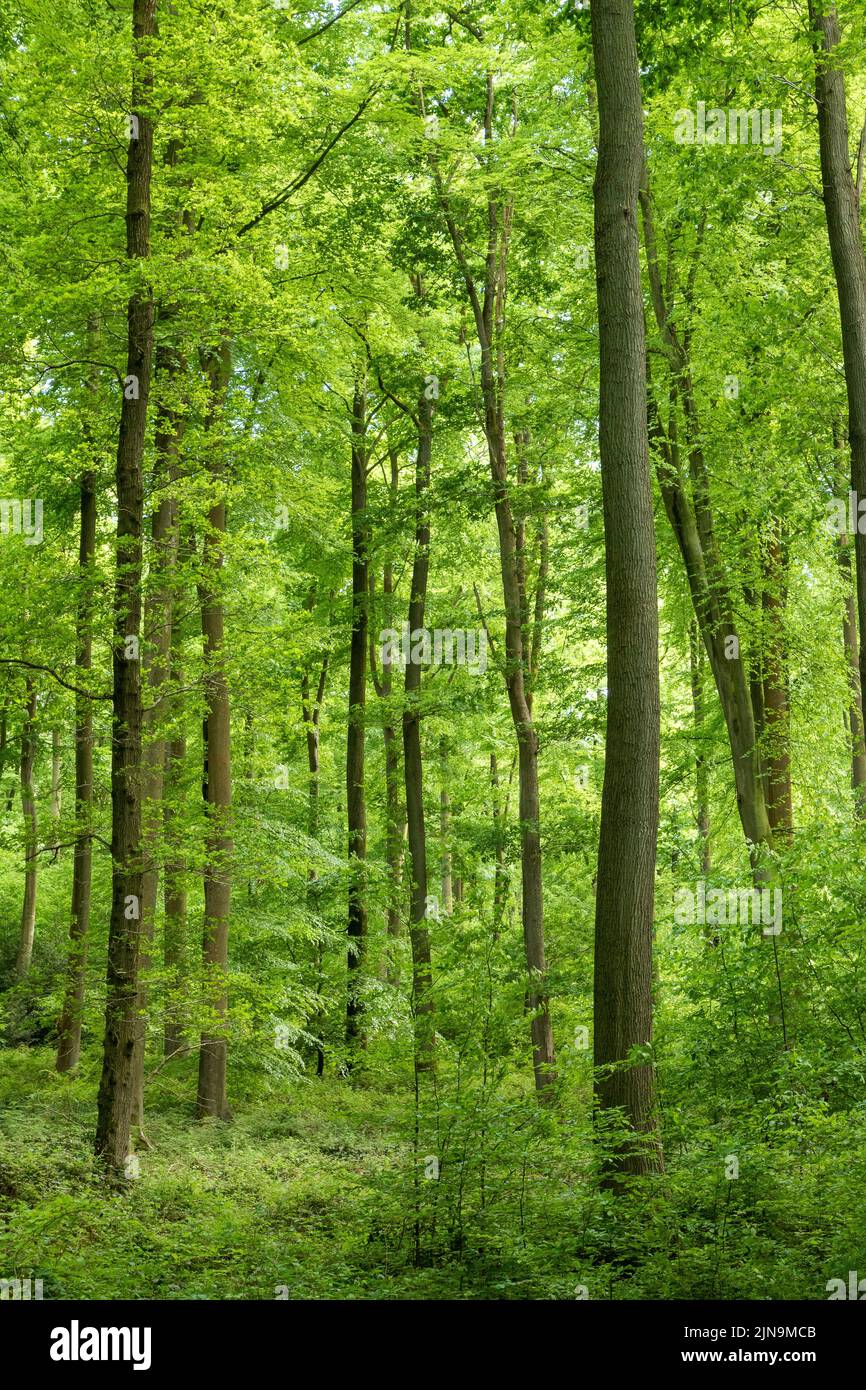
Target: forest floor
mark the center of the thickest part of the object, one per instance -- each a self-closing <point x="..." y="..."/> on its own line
<point x="317" y="1196"/>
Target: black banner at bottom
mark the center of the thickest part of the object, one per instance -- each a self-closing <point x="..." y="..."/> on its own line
<point x="63" y="1339"/>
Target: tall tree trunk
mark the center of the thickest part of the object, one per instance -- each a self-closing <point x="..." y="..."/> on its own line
<point x="629" y="808"/>
<point x="693" y="524"/>
<point x="28" y="810"/>
<point x="311" y="710"/>
<point x="69" y="1027"/>
<point x="500" y="816"/>
<point x="56" y="788"/>
<point x="395" y="827"/>
<point x="776" y="756"/>
<point x="116" y="1087"/>
<point x="212" y="1099"/>
<point x="419" y="934"/>
<point x="158" y="614"/>
<point x="356" y="809"/>
<point x="445" y="829"/>
<point x="852" y="662"/>
<point x="701" y="781"/>
<point x="488" y="311"/>
<point x="174" y="889"/>
<point x="842" y="207"/>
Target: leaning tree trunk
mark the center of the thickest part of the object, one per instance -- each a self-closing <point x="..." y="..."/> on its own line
<point x="116" y="1087"/>
<point x="356" y="810"/>
<point x="28" y="810"/>
<point x="629" y="808"/>
<point x="69" y="1027"/>
<point x="213" y="1057"/>
<point x="842" y="208"/>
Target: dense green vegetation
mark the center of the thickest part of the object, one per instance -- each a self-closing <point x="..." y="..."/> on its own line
<point x="332" y="964"/>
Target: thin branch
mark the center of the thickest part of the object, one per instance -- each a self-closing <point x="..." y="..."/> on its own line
<point x="314" y="33"/>
<point x="297" y="184"/>
<point x="32" y="666"/>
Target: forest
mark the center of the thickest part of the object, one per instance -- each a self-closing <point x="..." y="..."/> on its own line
<point x="432" y="588"/>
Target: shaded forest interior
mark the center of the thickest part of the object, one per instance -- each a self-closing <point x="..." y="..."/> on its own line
<point x="432" y="579"/>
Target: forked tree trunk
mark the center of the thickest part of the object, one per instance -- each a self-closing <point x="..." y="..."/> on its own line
<point x="116" y="1087"/>
<point x="629" y="807"/>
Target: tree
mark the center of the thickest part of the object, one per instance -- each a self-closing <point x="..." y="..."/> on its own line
<point x="629" y="807"/>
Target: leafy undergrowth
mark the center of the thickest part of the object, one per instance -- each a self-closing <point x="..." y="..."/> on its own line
<point x="320" y="1195"/>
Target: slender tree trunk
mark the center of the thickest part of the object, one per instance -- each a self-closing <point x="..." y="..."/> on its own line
<point x="28" y="809"/>
<point x="174" y="889"/>
<point x="842" y="208"/>
<point x="116" y="1088"/>
<point x="69" y="1027"/>
<point x="629" y="810"/>
<point x="419" y="933"/>
<point x="445" y="830"/>
<point x="311" y="710"/>
<point x="488" y="311"/>
<point x="852" y="661"/>
<point x="56" y="788"/>
<point x="394" y="808"/>
<point x="355" y="799"/>
<point x="701" y="780"/>
<point x="775" y="694"/>
<point x="212" y="1099"/>
<point x="157" y="627"/>
<point x="500" y="881"/>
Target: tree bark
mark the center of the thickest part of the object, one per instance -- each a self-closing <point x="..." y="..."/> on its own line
<point x="114" y="1109"/>
<point x="629" y="808"/>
